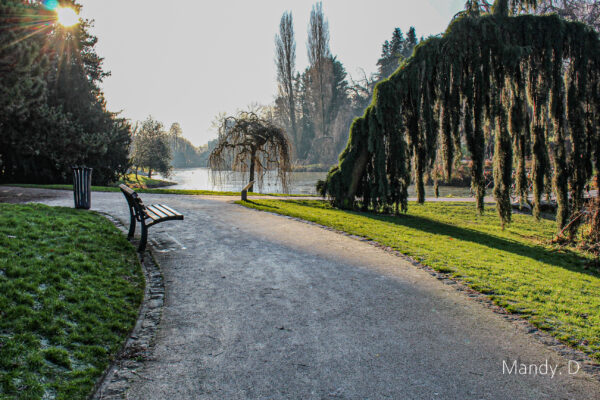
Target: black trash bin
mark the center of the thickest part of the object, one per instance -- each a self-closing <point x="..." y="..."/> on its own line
<point x="82" y="187"/>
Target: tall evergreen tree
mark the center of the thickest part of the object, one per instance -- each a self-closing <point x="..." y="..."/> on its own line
<point x="395" y="51"/>
<point x="410" y="43"/>
<point x="390" y="55"/>
<point x="397" y="43"/>
<point x="340" y="111"/>
<point x="63" y="119"/>
<point x="74" y="88"/>
<point x="22" y="65"/>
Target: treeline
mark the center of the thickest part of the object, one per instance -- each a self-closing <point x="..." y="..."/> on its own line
<point x="185" y="154"/>
<point x="317" y="106"/>
<point x="52" y="112"/>
<point x="154" y="149"/>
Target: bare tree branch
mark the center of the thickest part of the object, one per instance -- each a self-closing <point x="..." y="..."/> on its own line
<point x="253" y="145"/>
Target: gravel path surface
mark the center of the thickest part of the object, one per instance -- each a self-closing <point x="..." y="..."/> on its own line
<point x="262" y="307"/>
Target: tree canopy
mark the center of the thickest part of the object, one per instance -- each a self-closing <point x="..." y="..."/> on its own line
<point x="317" y="105"/>
<point x="151" y="148"/>
<point x="52" y="111"/>
<point x="531" y="80"/>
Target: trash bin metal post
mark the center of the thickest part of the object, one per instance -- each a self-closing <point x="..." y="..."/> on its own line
<point x="82" y="187"/>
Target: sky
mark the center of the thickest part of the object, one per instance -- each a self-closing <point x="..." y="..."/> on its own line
<point x="187" y="60"/>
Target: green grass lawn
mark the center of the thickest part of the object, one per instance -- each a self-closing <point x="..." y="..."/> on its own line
<point x="70" y="289"/>
<point x="516" y="268"/>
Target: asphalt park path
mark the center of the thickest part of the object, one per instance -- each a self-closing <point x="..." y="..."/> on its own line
<point x="263" y="307"/>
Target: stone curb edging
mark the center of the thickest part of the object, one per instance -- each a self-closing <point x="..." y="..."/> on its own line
<point x="116" y="380"/>
<point x="587" y="364"/>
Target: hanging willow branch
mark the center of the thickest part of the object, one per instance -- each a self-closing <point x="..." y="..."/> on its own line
<point x="532" y="81"/>
<point x="253" y="146"/>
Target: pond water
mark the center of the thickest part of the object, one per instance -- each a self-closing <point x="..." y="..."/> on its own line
<point x="301" y="183"/>
<point x="202" y="179"/>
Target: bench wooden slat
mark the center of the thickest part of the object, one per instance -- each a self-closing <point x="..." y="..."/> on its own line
<point x="157" y="211"/>
<point x="127" y="189"/>
<point x="160" y="208"/>
<point x="167" y="209"/>
<point x="162" y="216"/>
<point x="153" y="215"/>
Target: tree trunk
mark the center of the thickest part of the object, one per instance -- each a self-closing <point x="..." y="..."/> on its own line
<point x="503" y="157"/>
<point x="539" y="166"/>
<point x="501" y="8"/>
<point x="150" y="173"/>
<point x="347" y="196"/>
<point x="252" y="167"/>
<point x="136" y="173"/>
<point x="419" y="171"/>
<point x="292" y="107"/>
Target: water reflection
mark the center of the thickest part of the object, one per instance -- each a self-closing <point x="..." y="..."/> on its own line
<point x="202" y="179"/>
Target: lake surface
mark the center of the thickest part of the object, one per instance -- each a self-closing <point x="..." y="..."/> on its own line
<point x="202" y="179"/>
<point x="301" y="183"/>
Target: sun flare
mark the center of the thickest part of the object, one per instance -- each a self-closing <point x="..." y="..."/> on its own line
<point x="67" y="16"/>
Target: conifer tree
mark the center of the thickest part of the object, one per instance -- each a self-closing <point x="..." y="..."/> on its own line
<point x="53" y="114"/>
<point x="385" y="64"/>
<point x="395" y="51"/>
<point x="410" y="43"/>
<point x="397" y="43"/>
<point x="22" y="66"/>
<point x="21" y="61"/>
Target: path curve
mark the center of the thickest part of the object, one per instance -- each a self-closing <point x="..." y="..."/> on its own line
<point x="263" y="307"/>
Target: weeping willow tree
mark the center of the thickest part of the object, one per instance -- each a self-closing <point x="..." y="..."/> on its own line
<point x="532" y="81"/>
<point x="251" y="145"/>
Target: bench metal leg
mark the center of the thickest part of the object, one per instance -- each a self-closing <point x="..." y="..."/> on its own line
<point x="143" y="239"/>
<point x="131" y="224"/>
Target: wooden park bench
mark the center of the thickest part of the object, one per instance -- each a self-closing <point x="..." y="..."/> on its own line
<point x="146" y="215"/>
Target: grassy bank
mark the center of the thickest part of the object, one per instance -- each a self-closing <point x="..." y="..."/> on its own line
<point x="552" y="287"/>
<point x="70" y="288"/>
<point x="143" y="182"/>
<point x="156" y="191"/>
<point x="312" y="168"/>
